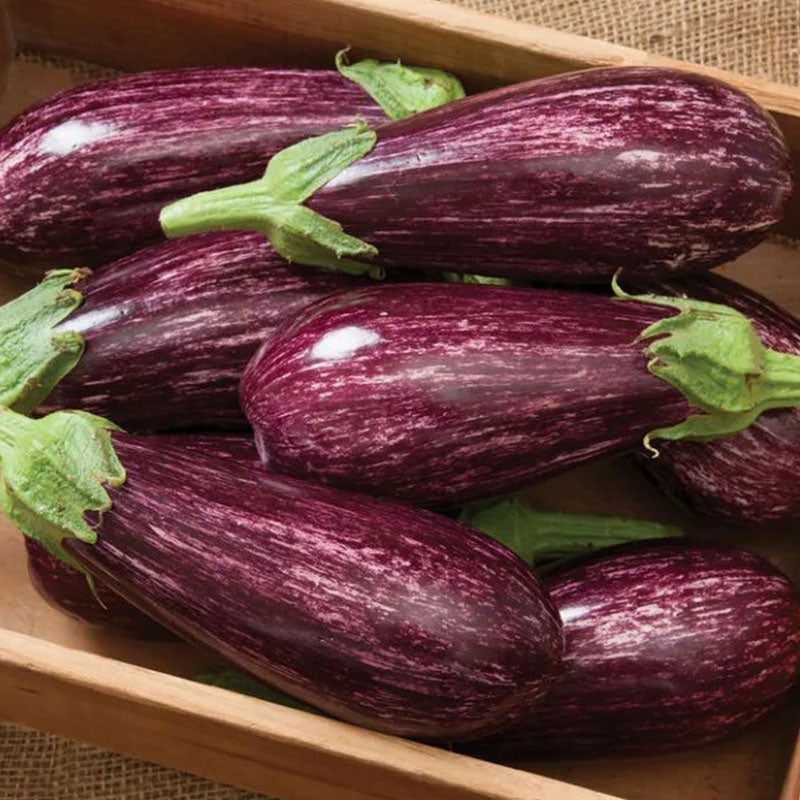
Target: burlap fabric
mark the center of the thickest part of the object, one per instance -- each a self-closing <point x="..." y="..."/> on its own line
<point x="755" y="37"/>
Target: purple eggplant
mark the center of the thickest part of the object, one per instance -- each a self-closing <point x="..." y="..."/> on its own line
<point x="438" y="394"/>
<point x="564" y="179"/>
<point x="750" y="477"/>
<point x="668" y="646"/>
<point x="156" y="340"/>
<point x="378" y="613"/>
<point x="68" y="589"/>
<point x="84" y="173"/>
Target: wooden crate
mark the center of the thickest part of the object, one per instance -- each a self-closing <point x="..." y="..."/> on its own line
<point x="133" y="697"/>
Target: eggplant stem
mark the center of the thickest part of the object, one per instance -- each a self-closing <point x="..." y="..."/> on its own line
<point x="272" y="205"/>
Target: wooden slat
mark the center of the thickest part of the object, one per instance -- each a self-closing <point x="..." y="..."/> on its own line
<point x="791" y="786"/>
<point x="482" y="47"/>
<point x="240" y="740"/>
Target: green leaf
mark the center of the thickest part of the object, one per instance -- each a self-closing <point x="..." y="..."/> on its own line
<point x="301" y="235"/>
<point x="34" y="357"/>
<point x="55" y="470"/>
<point x="296" y="172"/>
<point x="399" y="90"/>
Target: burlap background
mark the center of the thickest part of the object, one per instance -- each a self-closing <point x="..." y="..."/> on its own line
<point x="756" y="37"/>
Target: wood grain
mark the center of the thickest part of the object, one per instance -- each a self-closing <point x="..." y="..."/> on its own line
<point x="485" y="48"/>
<point x="238" y="739"/>
<point x="791" y="788"/>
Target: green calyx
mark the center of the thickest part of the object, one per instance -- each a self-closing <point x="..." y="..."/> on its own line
<point x="34" y="357"/>
<point x="273" y="206"/>
<point x="712" y="354"/>
<point x="399" y="90"/>
<point x="55" y="471"/>
<point x="546" y="539"/>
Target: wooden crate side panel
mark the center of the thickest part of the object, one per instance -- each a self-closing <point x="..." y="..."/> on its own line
<point x="791" y="786"/>
<point x="482" y="47"/>
<point x="240" y="740"/>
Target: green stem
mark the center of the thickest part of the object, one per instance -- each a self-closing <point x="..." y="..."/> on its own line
<point x="34" y="357"/>
<point x="238" y="207"/>
<point x="780" y="381"/>
<point x="272" y="205"/>
<point x="543" y="538"/>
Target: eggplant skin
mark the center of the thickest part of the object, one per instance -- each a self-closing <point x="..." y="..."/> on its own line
<point x="170" y="329"/>
<point x="443" y="393"/>
<point x="669" y="646"/>
<point x="378" y="613"/>
<point x="84" y="173"/>
<point x="750" y="477"/>
<point x="67" y="589"/>
<point x="570" y="178"/>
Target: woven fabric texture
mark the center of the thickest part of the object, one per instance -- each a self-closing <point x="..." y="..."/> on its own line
<point x="38" y="766"/>
<point x="754" y="37"/>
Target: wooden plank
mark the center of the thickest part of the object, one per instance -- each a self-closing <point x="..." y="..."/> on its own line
<point x="240" y="740"/>
<point x="791" y="787"/>
<point x="483" y="49"/>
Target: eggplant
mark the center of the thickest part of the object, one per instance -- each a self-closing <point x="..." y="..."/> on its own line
<point x="749" y="477"/>
<point x="669" y="646"/>
<point x="378" y="613"/>
<point x="564" y="179"/>
<point x="442" y="393"/>
<point x="156" y="340"/>
<point x="84" y="173"/>
<point x="68" y="589"/>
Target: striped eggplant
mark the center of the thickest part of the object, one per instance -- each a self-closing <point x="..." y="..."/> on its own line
<point x="542" y="539"/>
<point x="668" y="646"/>
<point x="158" y="339"/>
<point x="84" y="173"/>
<point x="442" y="393"/>
<point x="68" y="589"/>
<point x="750" y="477"/>
<point x="378" y="613"/>
<point x="564" y="179"/>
